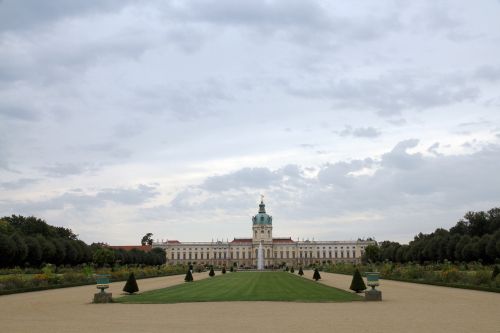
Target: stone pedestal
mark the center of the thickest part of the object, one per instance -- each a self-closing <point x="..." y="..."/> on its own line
<point x="373" y="295"/>
<point x="103" y="298"/>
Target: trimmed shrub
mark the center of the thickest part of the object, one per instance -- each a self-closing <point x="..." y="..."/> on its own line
<point x="301" y="272"/>
<point x="224" y="270"/>
<point x="357" y="283"/>
<point x="316" y="275"/>
<point x="292" y="270"/>
<point x="189" y="276"/>
<point x="231" y="269"/>
<point x="211" y="273"/>
<point x="131" y="285"/>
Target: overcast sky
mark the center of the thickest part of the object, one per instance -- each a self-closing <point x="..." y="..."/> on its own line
<point x="354" y="118"/>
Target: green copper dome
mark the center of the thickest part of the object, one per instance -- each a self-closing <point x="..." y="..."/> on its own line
<point x="262" y="217"/>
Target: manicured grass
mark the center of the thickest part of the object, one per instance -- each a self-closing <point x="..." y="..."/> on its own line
<point x="245" y="286"/>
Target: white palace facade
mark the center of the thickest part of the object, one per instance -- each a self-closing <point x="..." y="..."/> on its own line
<point x="277" y="251"/>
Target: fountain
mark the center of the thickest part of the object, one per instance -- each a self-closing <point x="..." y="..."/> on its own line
<point x="260" y="258"/>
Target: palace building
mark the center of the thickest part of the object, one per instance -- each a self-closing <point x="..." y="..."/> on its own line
<point x="277" y="250"/>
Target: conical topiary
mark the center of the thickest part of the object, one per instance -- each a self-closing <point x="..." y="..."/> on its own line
<point x="301" y="272"/>
<point x="231" y="269"/>
<point x="357" y="283"/>
<point x="212" y="273"/>
<point x="292" y="270"/>
<point x="131" y="284"/>
<point x="316" y="275"/>
<point x="224" y="270"/>
<point x="189" y="276"/>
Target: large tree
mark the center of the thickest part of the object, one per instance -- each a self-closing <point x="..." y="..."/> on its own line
<point x="146" y="239"/>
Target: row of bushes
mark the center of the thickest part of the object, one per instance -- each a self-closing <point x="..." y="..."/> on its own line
<point x="466" y="275"/>
<point x="52" y="277"/>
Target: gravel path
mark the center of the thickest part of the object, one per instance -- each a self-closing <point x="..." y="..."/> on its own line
<point x="406" y="307"/>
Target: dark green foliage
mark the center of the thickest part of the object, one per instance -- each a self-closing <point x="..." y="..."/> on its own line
<point x="189" y="276"/>
<point x="496" y="271"/>
<point x="292" y="270"/>
<point x="476" y="237"/>
<point x="372" y="253"/>
<point x="20" y="250"/>
<point x="357" y="283"/>
<point x="211" y="273"/>
<point x="301" y="272"/>
<point x="231" y="269"/>
<point x="131" y="284"/>
<point x="34" y="251"/>
<point x="103" y="256"/>
<point x="316" y="275"/>
<point x="7" y="250"/>
<point x="147" y="240"/>
<point x="224" y="270"/>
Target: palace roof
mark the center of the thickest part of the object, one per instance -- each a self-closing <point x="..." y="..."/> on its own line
<point x="283" y="240"/>
<point x="145" y="248"/>
<point x="241" y="240"/>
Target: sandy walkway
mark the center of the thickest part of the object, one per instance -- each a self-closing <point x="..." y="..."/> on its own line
<point x="406" y="308"/>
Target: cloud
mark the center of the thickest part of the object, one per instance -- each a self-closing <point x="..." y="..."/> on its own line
<point x="67" y="169"/>
<point x="488" y="73"/>
<point x="21" y="15"/>
<point x="390" y="94"/>
<point x="18" y="184"/>
<point x="401" y="183"/>
<point x="361" y="132"/>
<point x="79" y="200"/>
<point x="399" y="158"/>
<point x="258" y="178"/>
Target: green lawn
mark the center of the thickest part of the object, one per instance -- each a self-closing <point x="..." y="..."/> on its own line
<point x="245" y="286"/>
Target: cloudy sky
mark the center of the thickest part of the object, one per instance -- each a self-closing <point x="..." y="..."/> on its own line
<point x="354" y="118"/>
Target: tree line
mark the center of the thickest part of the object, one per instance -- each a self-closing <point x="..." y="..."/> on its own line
<point x="31" y="242"/>
<point x="476" y="237"/>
